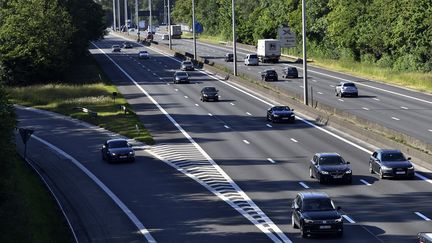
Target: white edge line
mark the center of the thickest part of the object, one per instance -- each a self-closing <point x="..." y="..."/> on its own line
<point x="422" y="216"/>
<point x="119" y="203"/>
<point x="365" y="182"/>
<point x="304" y="185"/>
<point x="274" y="227"/>
<point x="348" y="218"/>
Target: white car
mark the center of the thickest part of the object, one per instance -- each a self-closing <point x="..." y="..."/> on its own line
<point x="165" y="37"/>
<point x="251" y="59"/>
<point x="143" y="55"/>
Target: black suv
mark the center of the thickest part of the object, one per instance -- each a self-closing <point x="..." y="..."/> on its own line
<point x="391" y="163"/>
<point x="330" y="167"/>
<point x="289" y="72"/>
<point x="229" y="57"/>
<point x="280" y="114"/>
<point x="269" y="74"/>
<point x="315" y="213"/>
<point x="209" y="93"/>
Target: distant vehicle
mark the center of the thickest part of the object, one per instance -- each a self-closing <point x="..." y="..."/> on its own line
<point x="269" y="75"/>
<point x="229" y="57"/>
<point x="280" y="114"/>
<point x="424" y="237"/>
<point x="151" y="29"/>
<point x="187" y="66"/>
<point x="330" y="167"/>
<point x="391" y="163"/>
<point x="143" y="55"/>
<point x="149" y="37"/>
<point x="269" y="50"/>
<point x="114" y="150"/>
<point x="181" y="77"/>
<point x="127" y="45"/>
<point x="176" y="31"/>
<point x="209" y="93"/>
<point x="251" y="59"/>
<point x="165" y="37"/>
<point x="116" y="48"/>
<point x="289" y="72"/>
<point x="315" y="213"/>
<point x="346" y="89"/>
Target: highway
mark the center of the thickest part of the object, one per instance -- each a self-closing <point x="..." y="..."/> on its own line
<point x="269" y="162"/>
<point x="401" y="109"/>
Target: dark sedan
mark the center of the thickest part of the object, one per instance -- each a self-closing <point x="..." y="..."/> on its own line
<point x="280" y="114"/>
<point x="209" y="93"/>
<point x="315" y="213"/>
<point x="127" y="45"/>
<point x="391" y="163"/>
<point x="117" y="150"/>
<point x="330" y="167"/>
<point x="229" y="57"/>
<point x="269" y="75"/>
<point x="288" y="72"/>
<point x="181" y="77"/>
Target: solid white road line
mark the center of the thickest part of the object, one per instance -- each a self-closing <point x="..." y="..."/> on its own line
<point x="246" y="142"/>
<point x="116" y="200"/>
<point x="395" y="118"/>
<point x="271" y="161"/>
<point x="365" y="182"/>
<point x="304" y="185"/>
<point x="295" y="141"/>
<point x="422" y="216"/>
<point x="348" y="219"/>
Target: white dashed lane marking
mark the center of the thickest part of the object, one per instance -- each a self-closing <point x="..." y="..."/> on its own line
<point x="246" y="142"/>
<point x="231" y="103"/>
<point x="271" y="161"/>
<point x="210" y="114"/>
<point x="348" y="219"/>
<point x="249" y="114"/>
<point x="341" y="100"/>
<point x="365" y="182"/>
<point x="395" y="118"/>
<point x="422" y="216"/>
<point x="365" y="108"/>
<point x="405" y="108"/>
<point x="269" y="125"/>
<point x="176" y="89"/>
<point x="320" y="92"/>
<point x="196" y="105"/>
<point x="227" y="127"/>
<point x="295" y="141"/>
<point x="430" y="130"/>
<point x="331" y="85"/>
<point x="376" y="99"/>
<point x="186" y="97"/>
<point x="304" y="185"/>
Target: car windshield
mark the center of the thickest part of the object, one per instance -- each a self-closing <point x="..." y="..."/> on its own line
<point x="331" y="160"/>
<point x="115" y="46"/>
<point x="292" y="69"/>
<point x="253" y="56"/>
<point x="318" y="204"/>
<point x="270" y="71"/>
<point x="349" y="85"/>
<point x="187" y="63"/>
<point x="143" y="52"/>
<point x="281" y="108"/>
<point x="117" y="144"/>
<point x="396" y="156"/>
<point x="181" y="74"/>
<point x="209" y="89"/>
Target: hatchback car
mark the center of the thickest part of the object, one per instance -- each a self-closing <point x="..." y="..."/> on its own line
<point x="127" y="45"/>
<point x="330" y="167"/>
<point x="268" y="75"/>
<point x="280" y="114"/>
<point x="346" y="89"/>
<point x="289" y="72"/>
<point x="391" y="163"/>
<point x="187" y="66"/>
<point x="315" y="213"/>
<point x="181" y="77"/>
<point x="251" y="59"/>
<point x="114" y="150"/>
<point x="229" y="57"/>
<point x="143" y="55"/>
<point x="209" y="93"/>
<point x="116" y="48"/>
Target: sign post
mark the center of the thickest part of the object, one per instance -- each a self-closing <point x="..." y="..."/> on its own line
<point x="25" y="136"/>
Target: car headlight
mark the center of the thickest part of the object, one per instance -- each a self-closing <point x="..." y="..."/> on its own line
<point x="324" y="172"/>
<point x="308" y="221"/>
<point x="338" y="220"/>
<point x="385" y="168"/>
<point x="131" y="152"/>
<point x="348" y="172"/>
<point x="113" y="154"/>
<point x="276" y="115"/>
<point x="292" y="114"/>
<point x="205" y="95"/>
<point x="411" y="168"/>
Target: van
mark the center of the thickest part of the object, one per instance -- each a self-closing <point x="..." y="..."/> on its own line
<point x="251" y="59"/>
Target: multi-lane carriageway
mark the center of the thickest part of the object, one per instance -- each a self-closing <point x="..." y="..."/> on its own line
<point x="264" y="164"/>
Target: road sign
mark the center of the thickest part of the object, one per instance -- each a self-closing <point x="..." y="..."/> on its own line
<point x="198" y="27"/>
<point x="286" y="37"/>
<point x="25" y="134"/>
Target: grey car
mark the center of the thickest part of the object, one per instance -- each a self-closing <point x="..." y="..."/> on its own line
<point x="181" y="77"/>
<point x="391" y="163"/>
<point x="187" y="66"/>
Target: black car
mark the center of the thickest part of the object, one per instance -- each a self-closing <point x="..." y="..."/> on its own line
<point x="315" y="213"/>
<point x="288" y="72"/>
<point x="229" y="57"/>
<point x="181" y="77"/>
<point x="269" y="74"/>
<point x="117" y="150"/>
<point x="209" y="93"/>
<point x="391" y="163"/>
<point x="127" y="45"/>
<point x="280" y="114"/>
<point x="330" y="167"/>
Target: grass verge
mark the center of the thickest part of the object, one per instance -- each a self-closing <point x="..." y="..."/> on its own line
<point x="28" y="213"/>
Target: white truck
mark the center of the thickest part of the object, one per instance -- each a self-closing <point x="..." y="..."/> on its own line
<point x="269" y="50"/>
<point x="176" y="31"/>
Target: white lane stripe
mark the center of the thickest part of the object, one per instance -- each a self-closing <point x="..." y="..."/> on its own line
<point x="271" y="161"/>
<point x="422" y="216"/>
<point x="186" y="97"/>
<point x="210" y="114"/>
<point x="348" y="219"/>
<point x="232" y="103"/>
<point x="430" y="130"/>
<point x="320" y="93"/>
<point x="176" y="89"/>
<point x="341" y="100"/>
<point x="304" y="185"/>
<point x="365" y="108"/>
<point x="227" y="127"/>
<point x="269" y="125"/>
<point x="246" y="142"/>
<point x="365" y="182"/>
<point x="376" y="99"/>
<point x="405" y="108"/>
<point x="423" y="178"/>
<point x="331" y="85"/>
<point x="301" y="86"/>
<point x="116" y="200"/>
<point x="196" y="105"/>
<point x="274" y="228"/>
<point x="395" y="118"/>
<point x="295" y="141"/>
<point x="249" y="114"/>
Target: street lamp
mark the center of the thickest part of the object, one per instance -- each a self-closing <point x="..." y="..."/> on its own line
<point x="193" y="29"/>
<point x="234" y="39"/>
<point x="126" y="16"/>
<point x="136" y="16"/>
<point x="305" y="81"/>
<point x="150" y="17"/>
<point x="118" y="15"/>
<point x="114" y="16"/>
<point x="169" y="26"/>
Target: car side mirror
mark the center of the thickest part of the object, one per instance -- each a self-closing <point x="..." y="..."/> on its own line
<point x="292" y="109"/>
<point x="338" y="208"/>
<point x="348" y="162"/>
<point x="409" y="158"/>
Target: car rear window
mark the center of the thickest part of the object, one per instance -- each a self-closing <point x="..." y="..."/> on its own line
<point x="182" y="74"/>
<point x="393" y="157"/>
<point x="349" y="84"/>
<point x="318" y="204"/>
<point x="187" y="63"/>
<point x="117" y="144"/>
<point x="115" y="46"/>
<point x="253" y="56"/>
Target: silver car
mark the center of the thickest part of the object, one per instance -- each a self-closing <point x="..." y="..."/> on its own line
<point x="187" y="66"/>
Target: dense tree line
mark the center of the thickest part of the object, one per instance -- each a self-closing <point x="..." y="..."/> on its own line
<point x="396" y="34"/>
<point x="39" y="39"/>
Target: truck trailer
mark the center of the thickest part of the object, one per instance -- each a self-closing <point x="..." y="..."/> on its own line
<point x="269" y="50"/>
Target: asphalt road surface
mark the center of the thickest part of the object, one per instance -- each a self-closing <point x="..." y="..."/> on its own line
<point x="269" y="162"/>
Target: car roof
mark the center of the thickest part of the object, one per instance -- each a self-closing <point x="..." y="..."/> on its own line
<point x="269" y="70"/>
<point x="209" y="87"/>
<point x="309" y="195"/>
<point x="388" y="151"/>
<point x="181" y="72"/>
<point x="325" y="154"/>
<point x="116" y="140"/>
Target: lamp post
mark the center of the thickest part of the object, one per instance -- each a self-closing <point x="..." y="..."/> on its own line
<point x="114" y="15"/>
<point x="193" y="29"/>
<point x="118" y="15"/>
<point x="136" y="16"/>
<point x="150" y="16"/>
<point x="126" y="16"/>
<point x="305" y="81"/>
<point x="169" y="26"/>
<point x="234" y="39"/>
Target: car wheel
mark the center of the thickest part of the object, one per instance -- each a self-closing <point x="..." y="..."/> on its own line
<point x="293" y="224"/>
<point x="341" y="95"/>
<point x="339" y="234"/>
<point x="349" y="181"/>
<point x="371" y="169"/>
<point x="103" y="156"/>
<point x="321" y="180"/>
<point x="311" y="173"/>
<point x="303" y="233"/>
<point x="268" y="118"/>
<point x="381" y="174"/>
